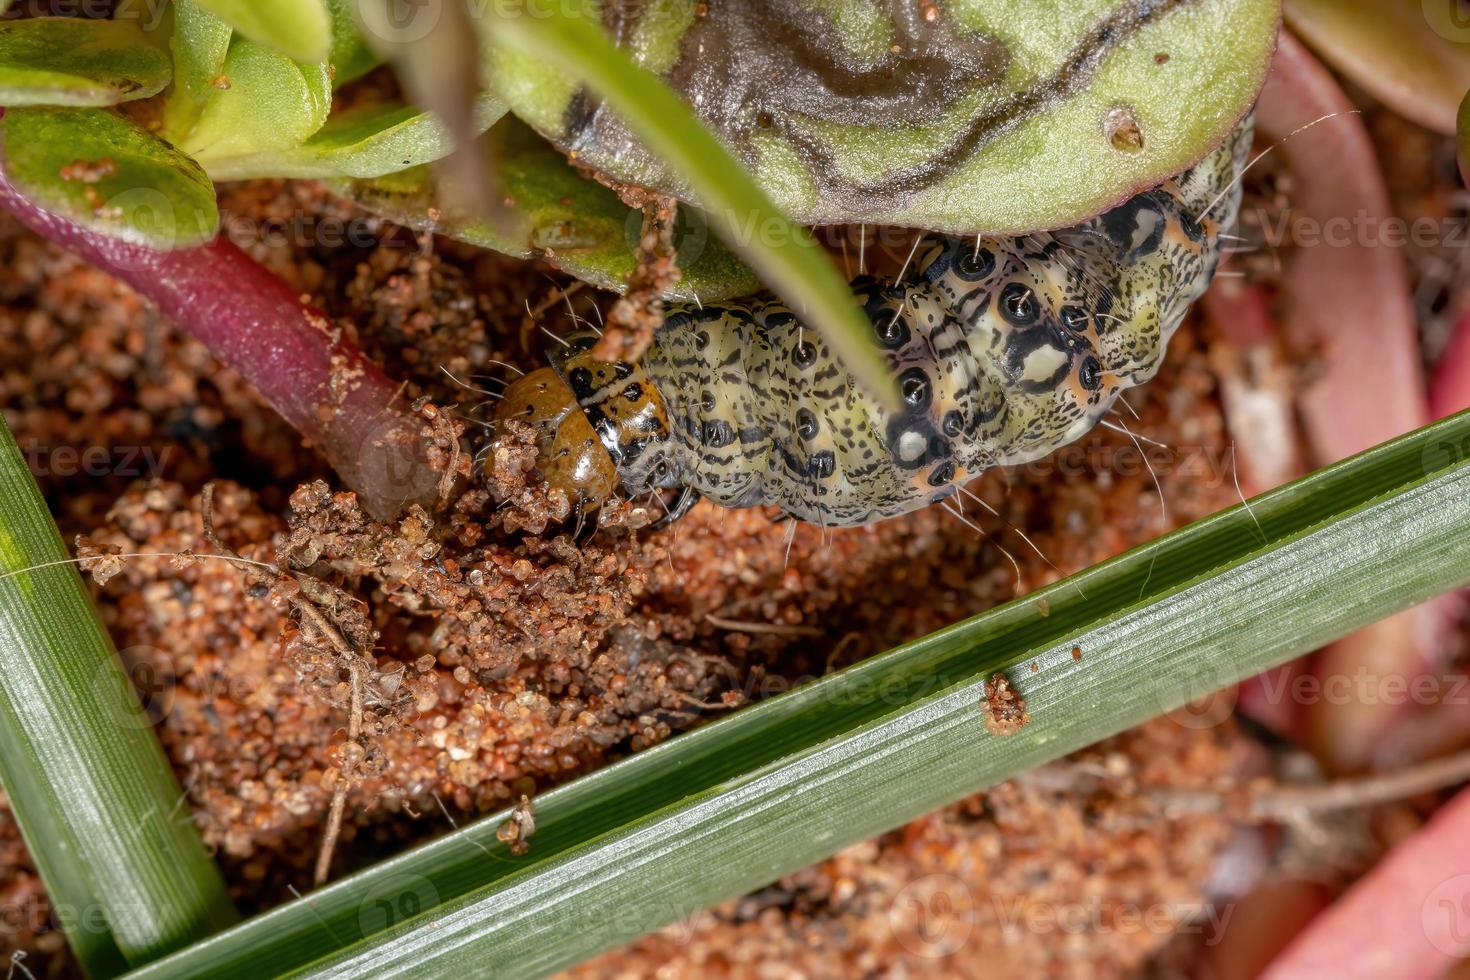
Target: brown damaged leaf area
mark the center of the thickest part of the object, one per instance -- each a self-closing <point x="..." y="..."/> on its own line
<point x="1004" y="707"/>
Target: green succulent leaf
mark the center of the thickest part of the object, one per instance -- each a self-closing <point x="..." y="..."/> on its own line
<point x="98" y="169"/>
<point x="266" y="102"/>
<point x="367" y="142"/>
<point x="352" y="56"/>
<point x="200" y="42"/>
<point x="74" y="62"/>
<point x="1413" y="57"/>
<point x="299" y="29"/>
<point x="994" y="116"/>
<point x="552" y="212"/>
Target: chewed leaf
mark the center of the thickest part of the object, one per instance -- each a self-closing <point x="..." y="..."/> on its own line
<point x="551" y="212"/>
<point x="264" y="101"/>
<point x="367" y="142"/>
<point x="96" y="168"/>
<point x="1414" y="57"/>
<point x="199" y="44"/>
<point x="68" y="61"/>
<point x="299" y="29"/>
<point x="991" y="116"/>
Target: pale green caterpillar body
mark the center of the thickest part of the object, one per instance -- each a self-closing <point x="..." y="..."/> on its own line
<point x="1004" y="348"/>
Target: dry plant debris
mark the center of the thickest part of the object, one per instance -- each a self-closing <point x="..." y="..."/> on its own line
<point x="1005" y="709"/>
<point x="636" y="315"/>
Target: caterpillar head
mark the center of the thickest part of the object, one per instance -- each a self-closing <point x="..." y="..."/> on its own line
<point x="624" y="408"/>
<point x="570" y="456"/>
<point x="600" y="427"/>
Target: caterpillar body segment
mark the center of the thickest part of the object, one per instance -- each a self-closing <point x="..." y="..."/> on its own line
<point x="1004" y="349"/>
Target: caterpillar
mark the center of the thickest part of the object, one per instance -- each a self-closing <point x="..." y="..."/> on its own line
<point x="1004" y="348"/>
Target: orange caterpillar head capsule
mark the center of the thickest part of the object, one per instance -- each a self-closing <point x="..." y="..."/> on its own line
<point x="570" y="455"/>
<point x="601" y="427"/>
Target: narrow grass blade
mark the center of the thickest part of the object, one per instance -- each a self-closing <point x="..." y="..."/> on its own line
<point x="735" y="804"/>
<point x="126" y="872"/>
<point x="783" y="254"/>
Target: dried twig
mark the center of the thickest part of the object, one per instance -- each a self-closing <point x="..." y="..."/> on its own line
<point x="746" y="626"/>
<point x="344" y="782"/>
<point x="1269" y="801"/>
<point x="304" y="601"/>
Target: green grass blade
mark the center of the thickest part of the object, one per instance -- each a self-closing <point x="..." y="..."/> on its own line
<point x="735" y="804"/>
<point x="783" y="254"/>
<point x="88" y="782"/>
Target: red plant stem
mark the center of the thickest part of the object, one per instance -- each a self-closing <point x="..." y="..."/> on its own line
<point x="298" y="361"/>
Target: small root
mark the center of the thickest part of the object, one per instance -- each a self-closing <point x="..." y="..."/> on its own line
<point x="745" y="626"/>
<point x="307" y="596"/>
<point x="1270" y="801"/>
<point x="344" y="781"/>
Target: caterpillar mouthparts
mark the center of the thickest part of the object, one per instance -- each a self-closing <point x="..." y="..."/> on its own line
<point x="1004" y="348"/>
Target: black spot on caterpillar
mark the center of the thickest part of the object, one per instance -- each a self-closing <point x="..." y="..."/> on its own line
<point x="1004" y="348"/>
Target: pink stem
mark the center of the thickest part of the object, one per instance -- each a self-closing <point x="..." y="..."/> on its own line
<point x="299" y="362"/>
<point x="1407" y="919"/>
<point x="1346" y="299"/>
